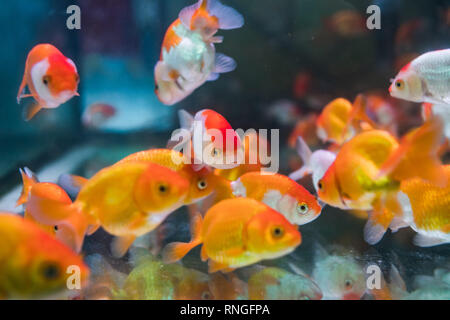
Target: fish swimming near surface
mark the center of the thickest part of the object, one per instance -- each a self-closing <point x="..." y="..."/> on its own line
<point x="188" y="56"/>
<point x="33" y="263"/>
<point x="127" y="200"/>
<point x="425" y="79"/>
<point x="52" y="79"/>
<point x="236" y="233"/>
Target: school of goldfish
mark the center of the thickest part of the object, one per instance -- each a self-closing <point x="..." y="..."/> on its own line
<point x="240" y="215"/>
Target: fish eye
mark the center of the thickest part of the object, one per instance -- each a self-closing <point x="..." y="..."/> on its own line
<point x="215" y="152"/>
<point x="201" y="184"/>
<point x="400" y="84"/>
<point x="50" y="271"/>
<point x="163" y="188"/>
<point x="302" y="208"/>
<point x="320" y="185"/>
<point x="348" y="283"/>
<point x="277" y="232"/>
<point x="55" y="228"/>
<point x="46" y="80"/>
<point x="206" y="295"/>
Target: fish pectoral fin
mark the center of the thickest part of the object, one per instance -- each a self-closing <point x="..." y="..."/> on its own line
<point x="31" y="110"/>
<point x="224" y="63"/>
<point x="379" y="220"/>
<point x="21" y="94"/>
<point x="214" y="266"/>
<point x="120" y="245"/>
<point x="216" y="39"/>
<point x="426" y="241"/>
<point x="213" y="76"/>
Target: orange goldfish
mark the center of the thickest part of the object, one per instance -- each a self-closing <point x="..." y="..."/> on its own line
<point x="335" y="123"/>
<point x="52" y="79"/>
<point x="202" y="182"/>
<point x="368" y="170"/>
<point x="236" y="233"/>
<point x="128" y="200"/>
<point x="188" y="56"/>
<point x="33" y="264"/>
<point x="426" y="209"/>
<point x="213" y="140"/>
<point x="281" y="194"/>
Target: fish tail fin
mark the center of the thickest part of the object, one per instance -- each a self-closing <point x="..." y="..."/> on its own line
<point x="50" y="205"/>
<point x="177" y="250"/>
<point x="305" y="154"/>
<point x="28" y="181"/>
<point x="418" y="155"/>
<point x="30" y="110"/>
<point x="216" y="15"/>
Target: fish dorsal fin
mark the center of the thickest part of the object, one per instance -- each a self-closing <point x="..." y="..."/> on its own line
<point x="187" y="13"/>
<point x="305" y="154"/>
<point x="228" y="17"/>
<point x="186" y="119"/>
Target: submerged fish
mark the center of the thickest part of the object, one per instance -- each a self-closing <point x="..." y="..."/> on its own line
<point x="339" y="275"/>
<point x="128" y="200"/>
<point x="33" y="264"/>
<point x="188" y="56"/>
<point x="336" y="122"/>
<point x="236" y="233"/>
<point x="441" y="111"/>
<point x="213" y="140"/>
<point x="425" y="79"/>
<point x="426" y="209"/>
<point x="281" y="194"/>
<point x="51" y="78"/>
<point x="278" y="284"/>
<point x="368" y="170"/>
<point x="97" y="114"/>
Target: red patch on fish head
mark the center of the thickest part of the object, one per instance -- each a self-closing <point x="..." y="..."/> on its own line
<point x="61" y="75"/>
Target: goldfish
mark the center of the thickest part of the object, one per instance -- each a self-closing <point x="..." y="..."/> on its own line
<point x="236" y="233"/>
<point x="52" y="79"/>
<point x="315" y="163"/>
<point x="306" y="129"/>
<point x="188" y="57"/>
<point x="213" y="140"/>
<point x="201" y="182"/>
<point x="338" y="274"/>
<point x="127" y="200"/>
<point x="151" y="279"/>
<point x="96" y="114"/>
<point x="347" y="23"/>
<point x="426" y="210"/>
<point x="424" y="79"/>
<point x="369" y="168"/>
<point x="273" y="283"/>
<point x="335" y="123"/>
<point x="281" y="194"/>
<point x="33" y="264"/>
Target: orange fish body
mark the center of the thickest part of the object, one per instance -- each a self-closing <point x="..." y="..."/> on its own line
<point x="367" y="172"/>
<point x="236" y="233"/>
<point x="127" y="200"/>
<point x="202" y="182"/>
<point x="281" y="194"/>
<point x="51" y="78"/>
<point x="33" y="263"/>
<point x="427" y="209"/>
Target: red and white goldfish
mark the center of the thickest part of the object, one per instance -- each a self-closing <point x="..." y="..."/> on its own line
<point x="96" y="114"/>
<point x="212" y="139"/>
<point x="52" y="79"/>
<point x="336" y="122"/>
<point x="128" y="200"/>
<point x="426" y="210"/>
<point x="425" y="79"/>
<point x="236" y="233"/>
<point x="281" y="194"/>
<point x="188" y="56"/>
<point x="368" y="170"/>
<point x="33" y="264"/>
